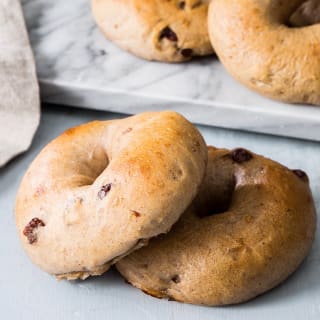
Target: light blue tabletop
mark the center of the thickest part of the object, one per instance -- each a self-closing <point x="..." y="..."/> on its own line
<point x="28" y="293"/>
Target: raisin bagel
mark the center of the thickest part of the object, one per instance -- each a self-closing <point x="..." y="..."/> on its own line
<point x="251" y="225"/>
<point x="170" y="30"/>
<point x="254" y="42"/>
<point x="102" y="189"/>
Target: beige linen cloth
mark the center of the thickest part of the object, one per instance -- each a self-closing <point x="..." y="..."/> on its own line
<point x="19" y="91"/>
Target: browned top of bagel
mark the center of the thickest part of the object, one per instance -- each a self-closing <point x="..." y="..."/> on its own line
<point x="171" y="30"/>
<point x="251" y="225"/>
<point x="103" y="188"/>
<point x="255" y="44"/>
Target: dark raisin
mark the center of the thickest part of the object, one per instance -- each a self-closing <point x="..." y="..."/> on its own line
<point x="136" y="214"/>
<point x="182" y="5"/>
<point x="176" y="279"/>
<point x="104" y="191"/>
<point x="168" y="34"/>
<point x="187" y="53"/>
<point x="28" y="231"/>
<point x="241" y="155"/>
<point x="301" y="174"/>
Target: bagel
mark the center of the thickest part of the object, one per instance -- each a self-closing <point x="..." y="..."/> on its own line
<point x="102" y="189"/>
<point x="251" y="225"/>
<point x="171" y="30"/>
<point x="256" y="46"/>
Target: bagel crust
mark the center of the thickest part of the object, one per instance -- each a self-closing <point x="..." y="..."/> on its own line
<point x="171" y="31"/>
<point x="253" y="41"/>
<point x="102" y="189"/>
<point x="251" y="225"/>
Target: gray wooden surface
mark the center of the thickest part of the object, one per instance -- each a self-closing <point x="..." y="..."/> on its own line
<point x="28" y="293"/>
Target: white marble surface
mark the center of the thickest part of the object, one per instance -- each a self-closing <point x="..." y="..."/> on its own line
<point x="77" y="66"/>
<point x="29" y="294"/>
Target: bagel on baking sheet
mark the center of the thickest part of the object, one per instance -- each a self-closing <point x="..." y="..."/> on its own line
<point x="251" y="225"/>
<point x="171" y="30"/>
<point x="102" y="189"/>
<point x="254" y="42"/>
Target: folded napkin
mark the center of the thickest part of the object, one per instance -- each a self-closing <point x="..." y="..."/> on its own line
<point x="19" y="91"/>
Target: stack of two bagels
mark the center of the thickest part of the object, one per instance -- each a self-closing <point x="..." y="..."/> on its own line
<point x="95" y="195"/>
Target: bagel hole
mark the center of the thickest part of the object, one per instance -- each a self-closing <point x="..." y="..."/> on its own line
<point x="307" y="14"/>
<point x="216" y="198"/>
<point x="93" y="168"/>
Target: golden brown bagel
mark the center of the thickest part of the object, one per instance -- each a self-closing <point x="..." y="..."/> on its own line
<point x="256" y="46"/>
<point x="171" y="30"/>
<point x="251" y="225"/>
<point x="101" y="189"/>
